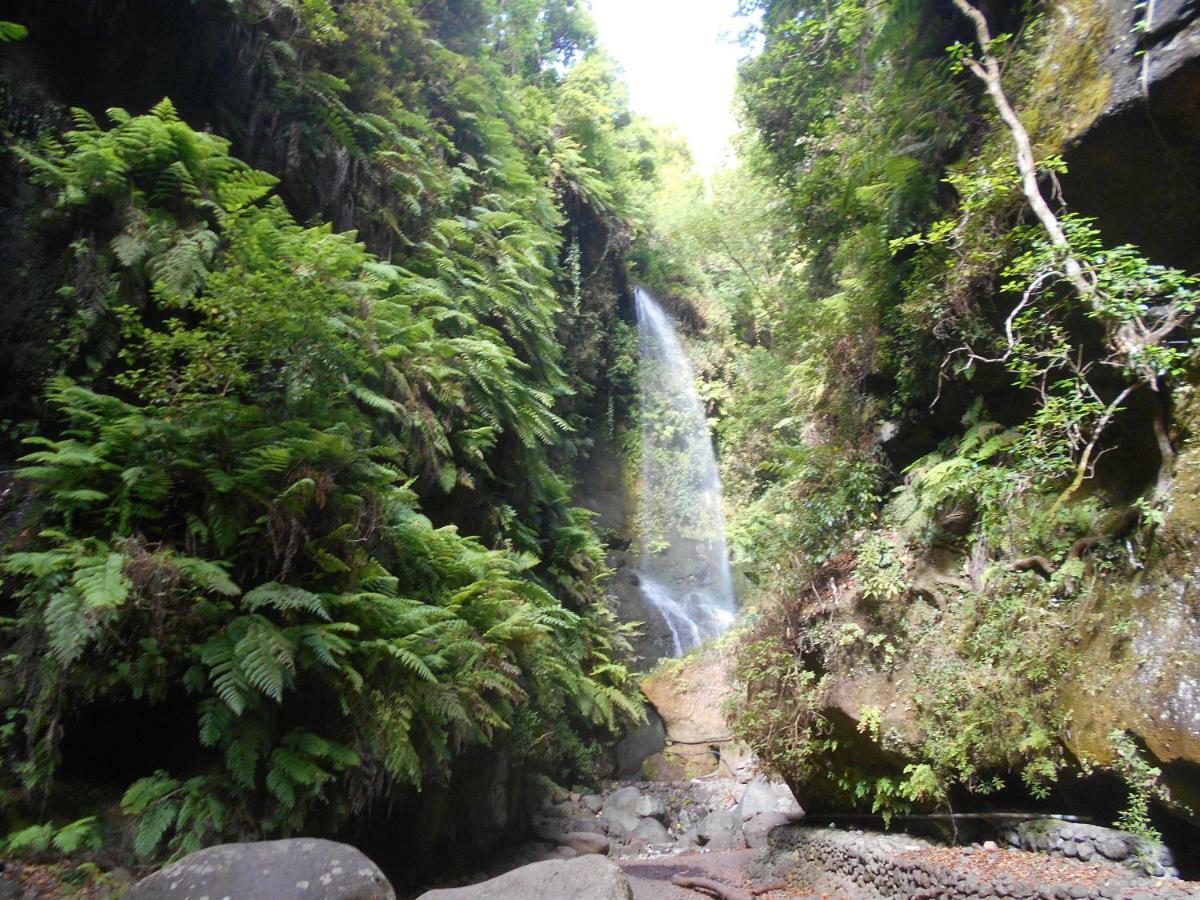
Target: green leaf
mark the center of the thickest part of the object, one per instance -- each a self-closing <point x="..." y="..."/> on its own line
<point x="11" y="31"/>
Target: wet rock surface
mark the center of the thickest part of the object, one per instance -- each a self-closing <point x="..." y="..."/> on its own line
<point x="282" y="870"/>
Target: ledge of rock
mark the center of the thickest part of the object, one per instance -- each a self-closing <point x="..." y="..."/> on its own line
<point x="689" y="695"/>
<point x="282" y="870"/>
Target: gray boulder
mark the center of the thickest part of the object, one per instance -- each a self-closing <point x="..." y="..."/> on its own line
<point x="759" y="828"/>
<point x="650" y="805"/>
<point x="651" y="831"/>
<point x="620" y="821"/>
<point x="764" y="796"/>
<point x="585" y="842"/>
<point x="293" y="869"/>
<point x="588" y="877"/>
<point x="640" y="744"/>
<point x="620" y="810"/>
<point x="552" y="828"/>
<point x="726" y="840"/>
<point x="721" y="830"/>
<point x="625" y="799"/>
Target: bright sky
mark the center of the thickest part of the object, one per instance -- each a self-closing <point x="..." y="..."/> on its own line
<point x="680" y="59"/>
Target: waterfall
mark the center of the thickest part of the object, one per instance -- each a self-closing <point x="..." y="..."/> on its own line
<point x="684" y="568"/>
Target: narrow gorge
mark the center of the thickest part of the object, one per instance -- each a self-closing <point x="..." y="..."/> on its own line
<point x="443" y="454"/>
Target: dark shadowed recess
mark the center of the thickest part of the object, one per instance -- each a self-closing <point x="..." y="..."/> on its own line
<point x="1137" y="170"/>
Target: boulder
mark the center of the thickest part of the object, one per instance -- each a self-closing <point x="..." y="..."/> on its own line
<point x="552" y="828"/>
<point x="588" y="877"/>
<point x="639" y="744"/>
<point x="593" y="802"/>
<point x="651" y="831"/>
<point x="726" y="840"/>
<point x="1085" y="842"/>
<point x="620" y="822"/>
<point x="625" y="799"/>
<point x="292" y="869"/>
<point x="721" y="830"/>
<point x="757" y="829"/>
<point x="765" y="796"/>
<point x="649" y="805"/>
<point x="585" y="842"/>
<point x="689" y="840"/>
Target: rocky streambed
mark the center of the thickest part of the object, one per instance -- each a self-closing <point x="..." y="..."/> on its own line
<point x="735" y="838"/>
<point x="739" y="838"/>
<point x="656" y="818"/>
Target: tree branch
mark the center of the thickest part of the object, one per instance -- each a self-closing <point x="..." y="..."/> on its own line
<point x="987" y="70"/>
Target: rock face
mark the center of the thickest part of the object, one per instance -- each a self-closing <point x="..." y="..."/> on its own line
<point x="586" y="878"/>
<point x="1130" y="167"/>
<point x="1118" y="88"/>
<point x="690" y="695"/>
<point x="603" y="486"/>
<point x="1137" y="672"/>
<point x="282" y="870"/>
<point x="1151" y="690"/>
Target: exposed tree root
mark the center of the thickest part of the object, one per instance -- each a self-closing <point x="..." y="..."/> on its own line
<point x="708" y="886"/>
<point x="1118" y="525"/>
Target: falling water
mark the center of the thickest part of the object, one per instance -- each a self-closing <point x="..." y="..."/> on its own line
<point x="684" y="570"/>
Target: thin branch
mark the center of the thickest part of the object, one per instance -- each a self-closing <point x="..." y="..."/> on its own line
<point x="1081" y="470"/>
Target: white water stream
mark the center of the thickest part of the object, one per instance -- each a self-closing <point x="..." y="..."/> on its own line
<point x="684" y="567"/>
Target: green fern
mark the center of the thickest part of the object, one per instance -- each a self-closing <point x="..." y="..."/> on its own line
<point x="273" y="405"/>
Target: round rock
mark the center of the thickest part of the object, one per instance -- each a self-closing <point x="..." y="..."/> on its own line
<point x="290" y="869"/>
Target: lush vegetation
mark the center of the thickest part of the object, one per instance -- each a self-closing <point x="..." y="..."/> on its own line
<point x="291" y="449"/>
<point x="263" y="442"/>
<point x="917" y="500"/>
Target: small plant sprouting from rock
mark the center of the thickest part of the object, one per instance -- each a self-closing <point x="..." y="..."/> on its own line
<point x="1142" y="781"/>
